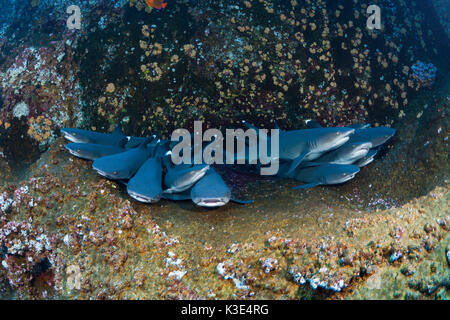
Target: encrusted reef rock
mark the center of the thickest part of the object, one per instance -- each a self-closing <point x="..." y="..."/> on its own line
<point x="68" y="233"/>
<point x="218" y="62"/>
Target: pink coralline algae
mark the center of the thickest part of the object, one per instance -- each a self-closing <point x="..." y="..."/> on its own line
<point x="26" y="253"/>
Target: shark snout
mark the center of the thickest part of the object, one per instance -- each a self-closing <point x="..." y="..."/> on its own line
<point x="211" y="202"/>
<point x="364" y="147"/>
<point x="73" y="136"/>
<point x="347" y="132"/>
<point x="143" y="198"/>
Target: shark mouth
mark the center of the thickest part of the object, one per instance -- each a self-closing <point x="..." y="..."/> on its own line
<point x="348" y="177"/>
<point x="184" y="186"/>
<point x="80" y="155"/>
<point x="143" y="199"/>
<point x="344" y="138"/>
<point x="211" y="203"/>
<point x="104" y="174"/>
<point x="72" y="138"/>
<point x="359" y="153"/>
<point x="74" y="153"/>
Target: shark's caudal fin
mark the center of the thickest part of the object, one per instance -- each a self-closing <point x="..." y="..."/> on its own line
<point x="241" y="201"/>
<point x="296" y="162"/>
<point x="306" y="186"/>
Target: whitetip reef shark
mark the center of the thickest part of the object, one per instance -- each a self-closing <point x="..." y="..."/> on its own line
<point x="183" y="176"/>
<point x="345" y="154"/>
<point x="124" y="165"/>
<point x="116" y="138"/>
<point x="325" y="174"/>
<point x="90" y="151"/>
<point x="309" y="144"/>
<point x="146" y="185"/>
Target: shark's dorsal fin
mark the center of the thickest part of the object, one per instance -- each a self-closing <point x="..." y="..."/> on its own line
<point x="306" y="186"/>
<point x="359" y="125"/>
<point x="161" y="148"/>
<point x="123" y="142"/>
<point x="155" y="149"/>
<point x="250" y="126"/>
<point x="167" y="163"/>
<point x="312" y="124"/>
<point x="119" y="130"/>
<point x="296" y="162"/>
<point x="275" y="123"/>
<point x="147" y="141"/>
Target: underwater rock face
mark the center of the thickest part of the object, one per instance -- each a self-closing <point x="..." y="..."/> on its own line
<point x="67" y="233"/>
<point x="84" y="227"/>
<point x="256" y="61"/>
<point x="251" y="60"/>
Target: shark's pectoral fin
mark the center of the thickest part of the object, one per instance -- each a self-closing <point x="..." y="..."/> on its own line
<point x="306" y="186"/>
<point x="241" y="201"/>
<point x="296" y="162"/>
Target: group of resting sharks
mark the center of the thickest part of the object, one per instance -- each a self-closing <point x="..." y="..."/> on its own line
<point x="314" y="156"/>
